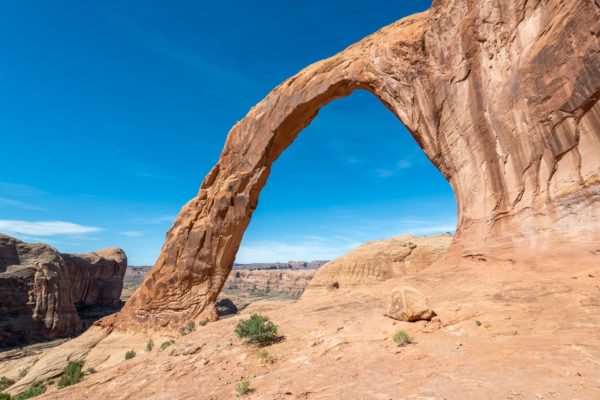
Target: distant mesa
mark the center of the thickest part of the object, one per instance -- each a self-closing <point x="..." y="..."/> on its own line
<point x="46" y="294"/>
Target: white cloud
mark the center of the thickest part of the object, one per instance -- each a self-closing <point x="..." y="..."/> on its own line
<point x="132" y="233"/>
<point x="312" y="248"/>
<point x="44" y="228"/>
<point x="19" y="204"/>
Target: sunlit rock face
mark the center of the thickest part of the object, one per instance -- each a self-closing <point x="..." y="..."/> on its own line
<point x="41" y="289"/>
<point x="502" y="96"/>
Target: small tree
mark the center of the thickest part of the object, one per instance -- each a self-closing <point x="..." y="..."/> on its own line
<point x="129" y="355"/>
<point x="71" y="375"/>
<point x="258" y="329"/>
<point x="150" y="345"/>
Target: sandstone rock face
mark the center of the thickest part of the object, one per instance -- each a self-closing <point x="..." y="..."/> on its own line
<point x="270" y="282"/>
<point x="96" y="278"/>
<point x="408" y="304"/>
<point x="40" y="288"/>
<point x="502" y="96"/>
<point x="381" y="260"/>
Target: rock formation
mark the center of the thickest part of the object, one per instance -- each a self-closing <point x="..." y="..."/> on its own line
<point x="502" y="96"/>
<point x="381" y="260"/>
<point x="408" y="304"/>
<point x="41" y="289"/>
<point x="270" y="282"/>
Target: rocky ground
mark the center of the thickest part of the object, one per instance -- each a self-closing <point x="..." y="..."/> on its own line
<point x="504" y="332"/>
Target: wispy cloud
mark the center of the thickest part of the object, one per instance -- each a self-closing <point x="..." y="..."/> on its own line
<point x="180" y="53"/>
<point x="44" y="228"/>
<point x="394" y="170"/>
<point x="18" y="189"/>
<point x="132" y="233"/>
<point x="155" y="220"/>
<point x="146" y="170"/>
<point x="20" y="204"/>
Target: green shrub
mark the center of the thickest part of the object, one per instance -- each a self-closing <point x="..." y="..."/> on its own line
<point x="402" y="338"/>
<point x="34" y="390"/>
<point x="129" y="355"/>
<point x="150" y="345"/>
<point x="71" y="374"/>
<point x="189" y="328"/>
<point x="204" y="322"/>
<point x="166" y="344"/>
<point x="24" y="371"/>
<point x="243" y="387"/>
<point x="257" y="329"/>
<point x="5" y="382"/>
<point x="5" y="396"/>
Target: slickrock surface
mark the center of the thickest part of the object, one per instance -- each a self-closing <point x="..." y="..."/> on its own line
<point x="502" y="96"/>
<point x="381" y="260"/>
<point x="40" y="288"/>
<point x="518" y="333"/>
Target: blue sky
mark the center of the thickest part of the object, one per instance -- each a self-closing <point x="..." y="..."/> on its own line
<point x="111" y="113"/>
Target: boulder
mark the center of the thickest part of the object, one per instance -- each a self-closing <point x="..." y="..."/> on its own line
<point x="41" y="288"/>
<point x="408" y="304"/>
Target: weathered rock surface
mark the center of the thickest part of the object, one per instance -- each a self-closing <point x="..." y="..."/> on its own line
<point x="96" y="278"/>
<point x="40" y="288"/>
<point x="381" y="260"/>
<point x="409" y="304"/>
<point x="501" y="335"/>
<point x="502" y="96"/>
<point x="270" y="282"/>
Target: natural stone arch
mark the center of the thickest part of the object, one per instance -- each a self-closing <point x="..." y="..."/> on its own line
<point x="521" y="157"/>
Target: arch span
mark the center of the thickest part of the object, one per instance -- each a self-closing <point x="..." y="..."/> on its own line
<point x="510" y="148"/>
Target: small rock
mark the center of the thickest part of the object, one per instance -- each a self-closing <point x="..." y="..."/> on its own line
<point x="408" y="304"/>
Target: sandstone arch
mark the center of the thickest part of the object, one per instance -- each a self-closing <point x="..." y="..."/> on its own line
<point x="503" y="97"/>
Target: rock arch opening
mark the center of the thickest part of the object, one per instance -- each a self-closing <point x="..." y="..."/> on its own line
<point x="353" y="175"/>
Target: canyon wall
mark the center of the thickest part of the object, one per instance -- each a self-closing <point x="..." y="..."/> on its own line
<point x="40" y="289"/>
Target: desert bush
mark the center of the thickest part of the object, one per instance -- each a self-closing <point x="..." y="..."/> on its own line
<point x="242" y="388"/>
<point x="23" y="371"/>
<point x="166" y="344"/>
<point x="401" y="338"/>
<point x="262" y="355"/>
<point x="71" y="375"/>
<point x="5" y="396"/>
<point x="189" y="328"/>
<point x="5" y="382"/>
<point x="258" y="329"/>
<point x="34" y="390"/>
<point x="150" y="345"/>
<point x="129" y="355"/>
<point x="203" y="322"/>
